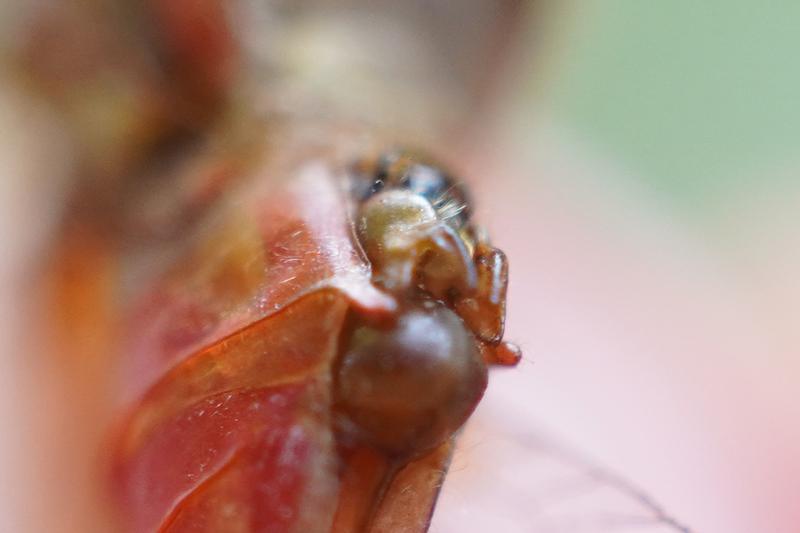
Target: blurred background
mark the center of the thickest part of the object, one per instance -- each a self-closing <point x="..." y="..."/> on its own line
<point x="650" y="206"/>
<point x="638" y="163"/>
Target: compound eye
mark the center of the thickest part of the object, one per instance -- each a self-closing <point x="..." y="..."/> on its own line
<point x="426" y="181"/>
<point x="447" y="196"/>
<point x="368" y="177"/>
<point x="405" y="172"/>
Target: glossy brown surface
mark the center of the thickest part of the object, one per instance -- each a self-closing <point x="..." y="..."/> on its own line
<point x="408" y="388"/>
<point x="484" y="310"/>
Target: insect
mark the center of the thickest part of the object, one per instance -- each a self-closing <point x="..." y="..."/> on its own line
<point x="316" y="340"/>
<point x="309" y="312"/>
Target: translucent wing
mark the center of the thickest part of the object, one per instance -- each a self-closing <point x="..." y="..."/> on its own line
<point x="529" y="482"/>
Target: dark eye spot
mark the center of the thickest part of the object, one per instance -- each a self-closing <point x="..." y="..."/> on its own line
<point x="427" y="181"/>
<point x="377" y="186"/>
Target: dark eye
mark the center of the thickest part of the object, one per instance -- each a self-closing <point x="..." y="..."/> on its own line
<point x="426" y="181"/>
<point x="370" y="176"/>
<point x="376" y="186"/>
<point x="404" y="171"/>
<point x="446" y="195"/>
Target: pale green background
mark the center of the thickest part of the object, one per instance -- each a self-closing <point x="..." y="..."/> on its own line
<point x="699" y="98"/>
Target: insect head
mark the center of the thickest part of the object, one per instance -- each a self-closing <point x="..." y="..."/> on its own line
<point x="407" y="386"/>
